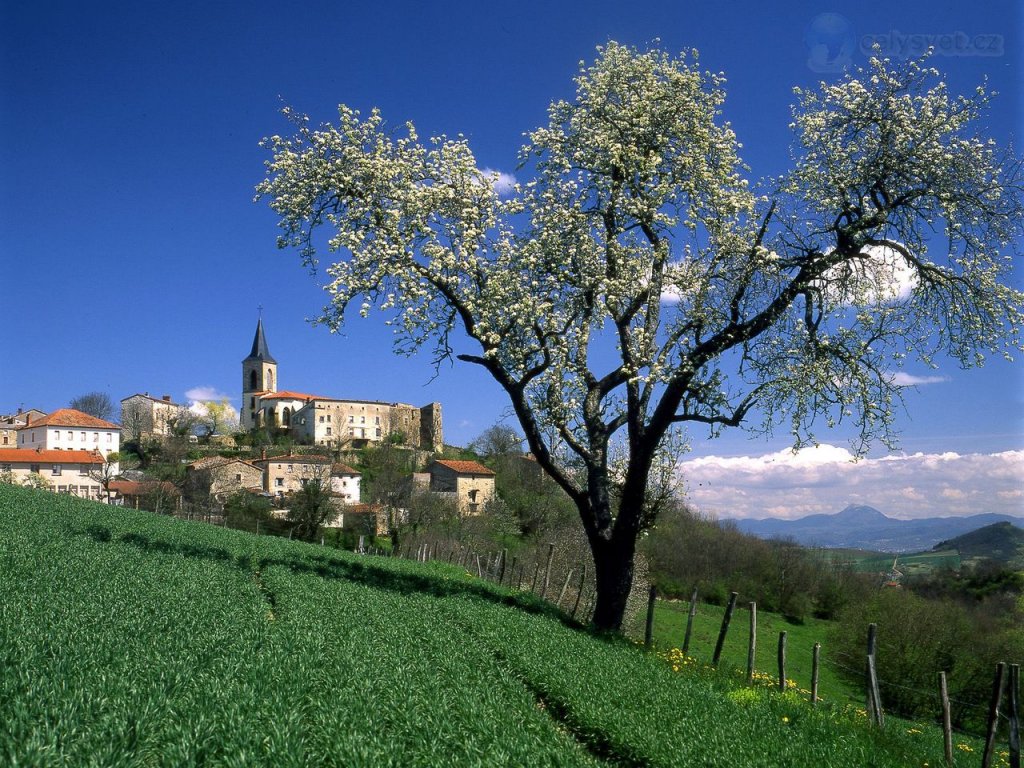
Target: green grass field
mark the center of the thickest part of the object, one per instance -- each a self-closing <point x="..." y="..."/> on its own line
<point x="128" y="639"/>
<point x="918" y="563"/>
<point x="670" y="630"/>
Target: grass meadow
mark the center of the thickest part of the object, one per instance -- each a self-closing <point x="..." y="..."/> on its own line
<point x="129" y="639"/>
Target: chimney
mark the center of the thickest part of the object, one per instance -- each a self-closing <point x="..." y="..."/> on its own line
<point x="263" y="454"/>
<point x="166" y="398"/>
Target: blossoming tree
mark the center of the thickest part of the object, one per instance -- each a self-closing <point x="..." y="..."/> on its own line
<point x="638" y="283"/>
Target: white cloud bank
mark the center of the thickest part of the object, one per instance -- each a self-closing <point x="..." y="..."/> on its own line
<point x="204" y="394"/>
<point x="826" y="478"/>
<point x="504" y="183"/>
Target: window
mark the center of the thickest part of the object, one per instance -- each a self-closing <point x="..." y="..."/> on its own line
<point x="279" y="482"/>
<point x="110" y="437"/>
<point x="328" y="430"/>
<point x="83" y="469"/>
<point x="291" y="467"/>
<point x="321" y="419"/>
<point x="377" y="421"/>
<point x="81" y="436"/>
<point x="328" y="418"/>
<point x="351" y="419"/>
<point x="238" y="477"/>
<point x="34" y="468"/>
<point x="95" y="437"/>
<point x="56" y="434"/>
<point x="5" y="439"/>
<point x="56" y="469"/>
<point x="378" y="432"/>
<point x="362" y="419"/>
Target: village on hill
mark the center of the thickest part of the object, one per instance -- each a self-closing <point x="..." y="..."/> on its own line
<point x="162" y="457"/>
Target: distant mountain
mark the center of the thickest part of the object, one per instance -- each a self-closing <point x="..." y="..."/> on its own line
<point x="863" y="527"/>
<point x="1002" y="542"/>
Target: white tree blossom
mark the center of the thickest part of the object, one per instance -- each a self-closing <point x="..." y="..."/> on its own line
<point x="638" y="282"/>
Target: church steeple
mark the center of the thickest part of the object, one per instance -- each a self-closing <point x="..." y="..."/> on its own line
<point x="259" y="345"/>
<point x="259" y="377"/>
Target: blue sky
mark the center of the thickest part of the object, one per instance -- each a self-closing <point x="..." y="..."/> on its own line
<point x="133" y="258"/>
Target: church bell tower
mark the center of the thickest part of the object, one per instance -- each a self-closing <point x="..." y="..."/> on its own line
<point x="259" y="377"/>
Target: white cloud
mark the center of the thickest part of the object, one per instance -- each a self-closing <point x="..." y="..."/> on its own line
<point x="204" y="394"/>
<point x="901" y="379"/>
<point x="503" y="182"/>
<point x="885" y="276"/>
<point x="825" y="479"/>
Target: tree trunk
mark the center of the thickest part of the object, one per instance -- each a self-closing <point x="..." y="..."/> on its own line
<point x="613" y="573"/>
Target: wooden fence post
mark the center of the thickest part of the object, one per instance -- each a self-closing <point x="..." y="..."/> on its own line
<point x="536" y="573"/>
<point x="579" y="592"/>
<point x="652" y="595"/>
<point x="479" y="570"/>
<point x="993" y="715"/>
<point x="504" y="562"/>
<point x="874" y="696"/>
<point x="547" y="571"/>
<point x="725" y="628"/>
<point x="752" y="644"/>
<point x="947" y="720"/>
<point x="565" y="586"/>
<point x="782" y="662"/>
<point x="1014" y="716"/>
<point x="815" y="662"/>
<point x="689" y="622"/>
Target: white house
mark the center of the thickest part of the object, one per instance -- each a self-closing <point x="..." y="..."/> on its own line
<point x="69" y="430"/>
<point x="67" y="471"/>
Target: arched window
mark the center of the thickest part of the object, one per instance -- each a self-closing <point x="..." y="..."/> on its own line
<point x="286" y="417"/>
<point x="270" y="380"/>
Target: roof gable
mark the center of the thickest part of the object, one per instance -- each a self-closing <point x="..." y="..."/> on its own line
<point x="69" y="417"/>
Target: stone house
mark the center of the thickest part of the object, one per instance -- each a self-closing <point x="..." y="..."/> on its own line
<point x="146" y="416"/>
<point x="470" y="483"/>
<point x="217" y="477"/>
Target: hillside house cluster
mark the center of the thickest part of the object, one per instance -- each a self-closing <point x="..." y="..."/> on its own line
<point x="329" y="421"/>
<point x="65" y="451"/>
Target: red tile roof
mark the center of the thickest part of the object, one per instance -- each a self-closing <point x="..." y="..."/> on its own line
<point x="466" y="467"/>
<point x="288" y="395"/>
<point x="343" y="469"/>
<point x="290" y="458"/>
<point x="218" y="461"/>
<point x="69" y="417"/>
<point x="31" y="456"/>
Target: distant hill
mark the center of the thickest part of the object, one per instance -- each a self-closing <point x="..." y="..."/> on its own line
<point x="864" y="527"/>
<point x="1001" y="542"/>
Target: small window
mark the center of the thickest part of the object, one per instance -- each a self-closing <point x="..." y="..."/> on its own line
<point x="378" y="432"/>
<point x="238" y="477"/>
<point x="321" y="419"/>
<point x="278" y="482"/>
<point x="95" y="437"/>
<point x="362" y="419"/>
<point x="34" y="468"/>
<point x="81" y="436"/>
<point x="83" y="469"/>
<point x="351" y="419"/>
<point x="110" y="437"/>
<point x="328" y="418"/>
<point x="328" y="430"/>
<point x="56" y="434"/>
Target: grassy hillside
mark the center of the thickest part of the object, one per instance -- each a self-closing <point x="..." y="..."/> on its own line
<point x="918" y="563"/>
<point x="129" y="639"/>
<point x="1001" y="542"/>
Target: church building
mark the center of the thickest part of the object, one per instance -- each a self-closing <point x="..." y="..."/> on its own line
<point x="328" y="421"/>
